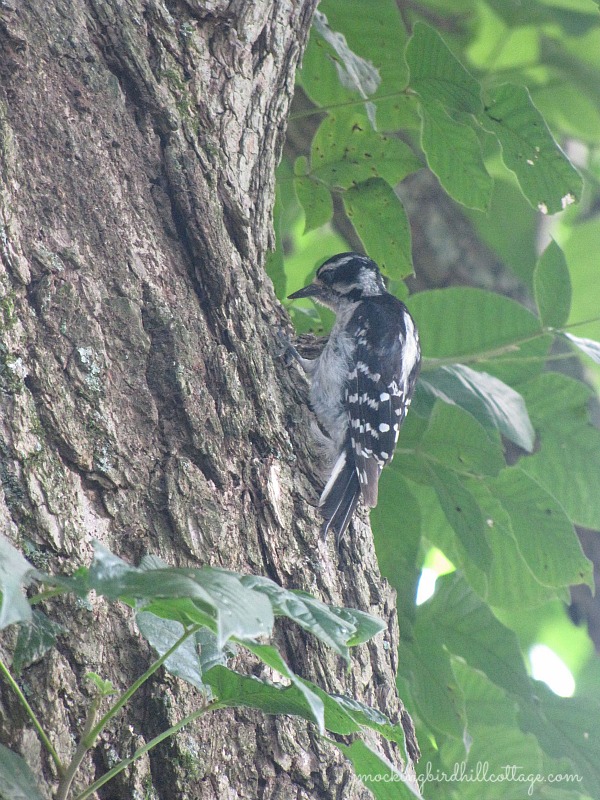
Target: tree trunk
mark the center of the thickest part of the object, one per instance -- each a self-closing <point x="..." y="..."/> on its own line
<point x="142" y="400"/>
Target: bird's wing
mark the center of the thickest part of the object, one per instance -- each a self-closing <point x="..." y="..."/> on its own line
<point x="377" y="398"/>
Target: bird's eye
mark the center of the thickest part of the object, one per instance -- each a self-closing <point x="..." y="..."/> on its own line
<point x="326" y="277"/>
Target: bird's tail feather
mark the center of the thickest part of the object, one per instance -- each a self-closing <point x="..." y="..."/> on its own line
<point x="340" y="496"/>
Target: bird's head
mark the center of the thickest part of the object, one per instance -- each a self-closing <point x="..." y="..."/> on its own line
<point x="343" y="280"/>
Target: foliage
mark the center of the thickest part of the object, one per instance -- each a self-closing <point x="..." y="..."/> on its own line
<point x="498" y="460"/>
<point x="196" y="620"/>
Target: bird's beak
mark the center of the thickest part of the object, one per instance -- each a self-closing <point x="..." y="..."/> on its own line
<point x="312" y="290"/>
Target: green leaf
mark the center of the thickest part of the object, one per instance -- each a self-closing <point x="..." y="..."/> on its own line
<point x="235" y="690"/>
<point x="509" y="582"/>
<point x="378" y="38"/>
<point x="546" y="176"/>
<point x="568" y="460"/>
<point x="339" y="628"/>
<point x="454" y="155"/>
<point x="486" y="703"/>
<point x="366" y="625"/>
<point x="425" y="664"/>
<point x="383" y="779"/>
<point x="315" y="199"/>
<point x="468" y="628"/>
<point x="220" y="596"/>
<point x="104" y="687"/>
<point x="565" y="727"/>
<point x="552" y="287"/>
<point x="587" y="346"/>
<point x="437" y="75"/>
<point x="162" y="635"/>
<point x="463" y="514"/>
<point x="169" y="592"/>
<point x="35" y="638"/>
<point x="77" y="583"/>
<point x="243" y="614"/>
<point x="480" y="328"/>
<point x="16" y="779"/>
<point x="354" y="72"/>
<point x="493" y="403"/>
<point x="570" y="16"/>
<point x="345" y="716"/>
<point x="209" y="652"/>
<point x="366" y="717"/>
<point x="14" y="574"/>
<point x="456" y="440"/>
<point x="506" y="760"/>
<point x="543" y="532"/>
<point x="396" y="521"/>
<point x="345" y="151"/>
<point x="509" y="211"/>
<point x="273" y="659"/>
<point x="475" y="322"/>
<point x="379" y="218"/>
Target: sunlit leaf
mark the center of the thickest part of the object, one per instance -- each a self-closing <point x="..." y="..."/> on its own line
<point x="235" y="690"/>
<point x="383" y="779"/>
<point x="567" y="463"/>
<point x="436" y="74"/>
<point x="355" y="73"/>
<point x="493" y="752"/>
<point x="315" y="199"/>
<point x="454" y="154"/>
<point x="492" y="402"/>
<point x="378" y="38"/>
<point x="463" y="514"/>
<point x="481" y="329"/>
<point x="509" y="211"/>
<point x="455" y="439"/>
<point x="552" y="287"/>
<point x="379" y="218"/>
<point x="509" y="582"/>
<point x="346" y="151"/>
<point x="548" y="179"/>
<point x="337" y="627"/>
<point x="272" y="657"/>
<point x="565" y="727"/>
<point x="467" y="627"/>
<point x="396" y="523"/>
<point x="425" y="664"/>
<point x="543" y="532"/>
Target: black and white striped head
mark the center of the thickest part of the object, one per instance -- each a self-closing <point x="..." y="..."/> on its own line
<point x="344" y="279"/>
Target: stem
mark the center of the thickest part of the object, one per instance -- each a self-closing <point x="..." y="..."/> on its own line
<point x="30" y="712"/>
<point x="485" y="355"/>
<point x="39" y="598"/>
<point x="92" y="735"/>
<point x="496" y="353"/>
<point x="79" y="755"/>
<point x="344" y="103"/>
<point x="148" y="746"/>
<point x="581" y="322"/>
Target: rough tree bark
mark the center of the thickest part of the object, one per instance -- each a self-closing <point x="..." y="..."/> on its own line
<point x="141" y="398"/>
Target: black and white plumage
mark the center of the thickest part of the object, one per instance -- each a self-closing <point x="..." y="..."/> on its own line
<point x="362" y="383"/>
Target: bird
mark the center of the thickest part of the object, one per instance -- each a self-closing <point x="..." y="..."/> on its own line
<point x="362" y="383"/>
